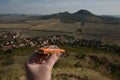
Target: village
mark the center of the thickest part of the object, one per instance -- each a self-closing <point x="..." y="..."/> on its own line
<point x="13" y="40"/>
<point x="10" y="40"/>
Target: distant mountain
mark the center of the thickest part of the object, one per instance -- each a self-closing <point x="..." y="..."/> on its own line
<point x="83" y="12"/>
<point x="111" y="19"/>
<point x="57" y="15"/>
<point x="16" y="18"/>
<point x="117" y="16"/>
<point x="82" y="16"/>
<point x="12" y="15"/>
<point x="114" y="16"/>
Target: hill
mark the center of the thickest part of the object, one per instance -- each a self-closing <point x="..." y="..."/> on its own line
<point x="77" y="64"/>
<point x="82" y="16"/>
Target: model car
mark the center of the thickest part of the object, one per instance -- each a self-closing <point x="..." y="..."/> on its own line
<point x="50" y="49"/>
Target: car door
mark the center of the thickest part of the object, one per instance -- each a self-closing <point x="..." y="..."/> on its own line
<point x="51" y="49"/>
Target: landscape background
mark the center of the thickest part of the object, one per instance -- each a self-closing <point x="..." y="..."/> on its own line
<point x="92" y="44"/>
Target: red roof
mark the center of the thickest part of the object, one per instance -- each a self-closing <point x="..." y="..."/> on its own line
<point x="7" y="47"/>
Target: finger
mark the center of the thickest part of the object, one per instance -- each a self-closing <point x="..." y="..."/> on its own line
<point x="52" y="60"/>
<point x="37" y="58"/>
<point x="33" y="59"/>
<point x="29" y="61"/>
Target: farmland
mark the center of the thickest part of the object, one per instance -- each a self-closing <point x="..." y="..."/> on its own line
<point x="108" y="33"/>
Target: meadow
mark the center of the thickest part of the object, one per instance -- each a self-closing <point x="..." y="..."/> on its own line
<point x="77" y="64"/>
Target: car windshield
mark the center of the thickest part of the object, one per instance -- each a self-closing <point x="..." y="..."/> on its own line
<point x="46" y="47"/>
<point x="51" y="47"/>
<point x="54" y="47"/>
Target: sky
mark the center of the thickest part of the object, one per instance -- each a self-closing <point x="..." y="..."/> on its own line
<point x="43" y="7"/>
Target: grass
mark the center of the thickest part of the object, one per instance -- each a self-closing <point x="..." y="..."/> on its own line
<point x="42" y="22"/>
<point x="73" y="49"/>
<point x="77" y="74"/>
<point x="17" y="73"/>
<point x="64" y="69"/>
<point x="15" y="25"/>
<point x="12" y="72"/>
<point x="117" y="74"/>
<point x="65" y="27"/>
<point x="24" y="51"/>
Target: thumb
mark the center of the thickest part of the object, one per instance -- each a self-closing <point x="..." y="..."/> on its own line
<point x="52" y="60"/>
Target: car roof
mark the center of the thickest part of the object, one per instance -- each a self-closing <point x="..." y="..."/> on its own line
<point x="52" y="45"/>
<point x="48" y="46"/>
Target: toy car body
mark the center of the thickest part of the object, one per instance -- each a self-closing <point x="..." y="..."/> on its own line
<point x="50" y="49"/>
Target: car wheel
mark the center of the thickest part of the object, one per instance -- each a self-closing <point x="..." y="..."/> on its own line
<point x="48" y="54"/>
<point x="62" y="53"/>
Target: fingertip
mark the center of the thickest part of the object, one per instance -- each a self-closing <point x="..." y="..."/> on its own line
<point x="58" y="54"/>
<point x="53" y="58"/>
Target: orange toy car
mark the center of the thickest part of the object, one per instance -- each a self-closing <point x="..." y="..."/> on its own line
<point x="50" y="49"/>
<point x="45" y="52"/>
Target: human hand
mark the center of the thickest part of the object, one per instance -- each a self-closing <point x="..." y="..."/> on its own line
<point x="36" y="71"/>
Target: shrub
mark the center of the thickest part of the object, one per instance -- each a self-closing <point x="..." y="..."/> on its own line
<point x="78" y="65"/>
<point x="66" y="55"/>
<point x="6" y="60"/>
<point x="80" y="56"/>
<point x="117" y="74"/>
<point x="2" y="52"/>
<point x="9" y="51"/>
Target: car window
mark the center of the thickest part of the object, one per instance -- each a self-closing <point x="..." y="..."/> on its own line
<point x="51" y="47"/>
<point x="46" y="46"/>
<point x="56" y="47"/>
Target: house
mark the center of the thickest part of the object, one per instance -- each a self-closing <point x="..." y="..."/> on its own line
<point x="21" y="45"/>
<point x="32" y="44"/>
<point x="27" y="40"/>
<point x="7" y="47"/>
